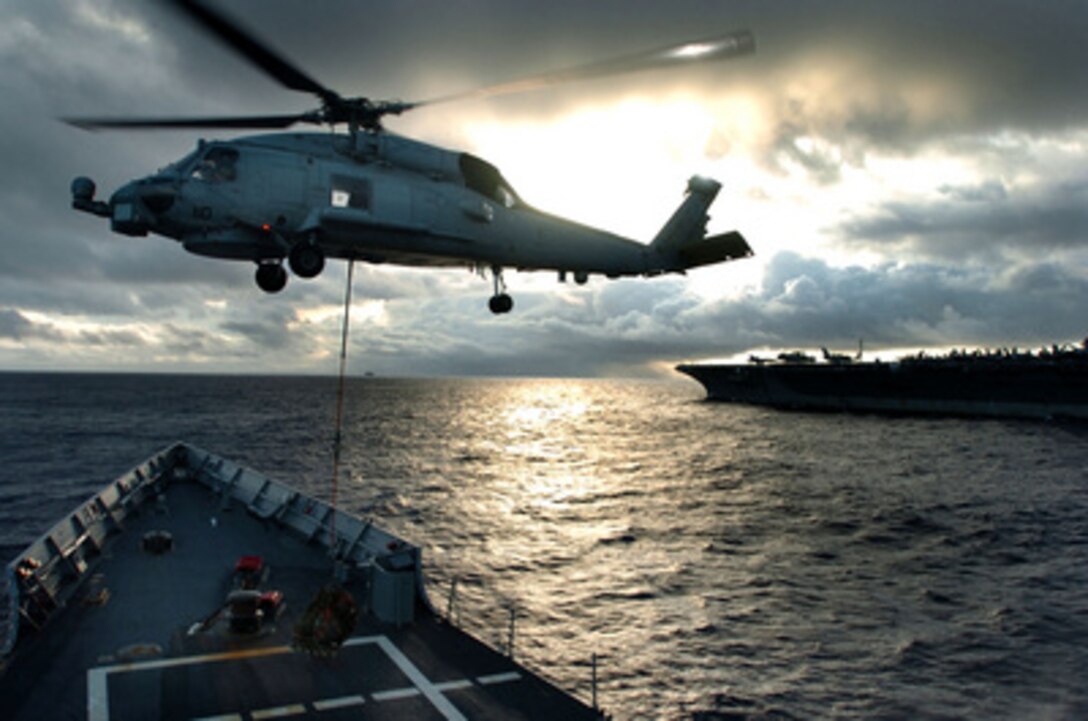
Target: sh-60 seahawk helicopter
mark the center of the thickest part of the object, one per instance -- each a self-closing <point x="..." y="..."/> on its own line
<point x="375" y="196"/>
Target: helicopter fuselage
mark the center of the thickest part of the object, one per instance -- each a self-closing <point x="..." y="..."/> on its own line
<point x="383" y="198"/>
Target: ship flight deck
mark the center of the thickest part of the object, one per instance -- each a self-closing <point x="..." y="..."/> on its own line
<point x="106" y="630"/>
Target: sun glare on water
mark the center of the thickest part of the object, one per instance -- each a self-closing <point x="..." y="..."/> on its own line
<point x="542" y="412"/>
<point x="541" y="443"/>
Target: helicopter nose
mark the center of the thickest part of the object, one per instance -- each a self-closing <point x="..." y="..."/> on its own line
<point x="135" y="206"/>
<point x="129" y="216"/>
<point x="157" y="197"/>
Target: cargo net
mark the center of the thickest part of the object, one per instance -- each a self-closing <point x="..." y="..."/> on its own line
<point x="327" y="622"/>
<point x="330" y="618"/>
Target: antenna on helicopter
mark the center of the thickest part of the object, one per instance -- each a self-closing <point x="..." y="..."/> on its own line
<point x="366" y="114"/>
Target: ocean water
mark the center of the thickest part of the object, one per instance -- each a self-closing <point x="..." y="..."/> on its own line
<point x="722" y="562"/>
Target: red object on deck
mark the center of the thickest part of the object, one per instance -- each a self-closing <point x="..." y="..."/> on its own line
<point x="270" y="601"/>
<point x="249" y="564"/>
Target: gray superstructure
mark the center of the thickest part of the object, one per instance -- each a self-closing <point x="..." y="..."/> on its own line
<point x="128" y="608"/>
<point x="1049" y="384"/>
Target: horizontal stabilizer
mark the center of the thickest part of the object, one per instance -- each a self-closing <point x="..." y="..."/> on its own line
<point x="714" y="249"/>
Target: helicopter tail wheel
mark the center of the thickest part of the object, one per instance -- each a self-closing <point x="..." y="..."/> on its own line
<point x="501" y="303"/>
<point x="306" y="258"/>
<point x="271" y="277"/>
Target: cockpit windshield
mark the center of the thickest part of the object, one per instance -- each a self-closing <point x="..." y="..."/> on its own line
<point x="180" y="167"/>
<point x="218" y="165"/>
<point x="484" y="178"/>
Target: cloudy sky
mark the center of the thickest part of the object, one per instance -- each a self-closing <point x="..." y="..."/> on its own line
<point x="911" y="173"/>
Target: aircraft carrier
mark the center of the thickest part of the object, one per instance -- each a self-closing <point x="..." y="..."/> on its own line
<point x="1052" y="383"/>
<point x="194" y="588"/>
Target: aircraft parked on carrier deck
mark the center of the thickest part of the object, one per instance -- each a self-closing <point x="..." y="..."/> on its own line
<point x="375" y="196"/>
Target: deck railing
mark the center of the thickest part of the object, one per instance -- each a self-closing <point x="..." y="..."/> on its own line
<point x="9" y="611"/>
<point x="493" y="622"/>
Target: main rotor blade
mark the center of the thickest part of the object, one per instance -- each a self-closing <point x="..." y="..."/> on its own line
<point x="721" y="47"/>
<point x="252" y="49"/>
<point x="252" y="121"/>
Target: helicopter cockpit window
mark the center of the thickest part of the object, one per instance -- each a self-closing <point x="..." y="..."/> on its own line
<point x="348" y="192"/>
<point x="219" y="165"/>
<point x="180" y="167"/>
<point x="505" y="196"/>
<point x="484" y="178"/>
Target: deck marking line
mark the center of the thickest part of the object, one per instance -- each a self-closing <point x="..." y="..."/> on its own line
<point x="98" y="695"/>
<point x="98" y="699"/>
<point x="278" y="712"/>
<point x="396" y="693"/>
<point x="342" y="702"/>
<point x="453" y="685"/>
<point x="188" y="660"/>
<point x="498" y="678"/>
<point x="420" y="681"/>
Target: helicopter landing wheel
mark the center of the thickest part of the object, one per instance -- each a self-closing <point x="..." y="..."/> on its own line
<point x="306" y="259"/>
<point x="500" y="304"/>
<point x="271" y="277"/>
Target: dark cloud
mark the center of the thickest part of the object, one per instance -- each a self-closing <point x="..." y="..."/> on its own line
<point x="627" y="326"/>
<point x="793" y="143"/>
<point x="263" y="336"/>
<point x="890" y="72"/>
<point x="271" y="331"/>
<point x="807" y="303"/>
<point x="983" y="222"/>
<point x="14" y="325"/>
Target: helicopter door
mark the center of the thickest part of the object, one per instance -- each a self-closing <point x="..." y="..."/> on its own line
<point x="285" y="180"/>
<point x="392" y="202"/>
<point x="425" y="208"/>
